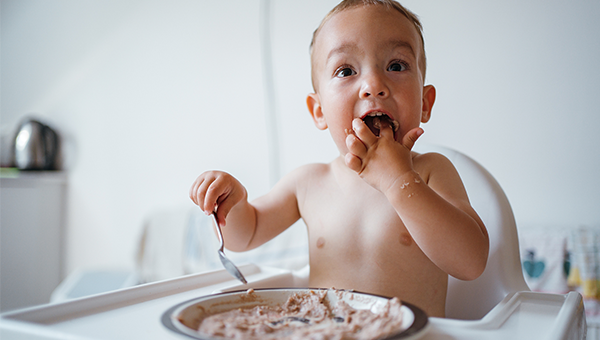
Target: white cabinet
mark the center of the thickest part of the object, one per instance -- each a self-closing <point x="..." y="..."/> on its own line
<point x="31" y="237"/>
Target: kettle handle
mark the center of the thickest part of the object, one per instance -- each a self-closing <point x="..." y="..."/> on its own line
<point x="50" y="147"/>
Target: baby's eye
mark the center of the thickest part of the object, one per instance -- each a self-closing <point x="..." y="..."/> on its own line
<point x="344" y="72"/>
<point x="397" y="67"/>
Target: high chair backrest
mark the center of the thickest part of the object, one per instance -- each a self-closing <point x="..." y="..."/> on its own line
<point x="473" y="299"/>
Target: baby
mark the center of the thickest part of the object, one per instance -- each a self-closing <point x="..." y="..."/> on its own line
<point x="381" y="218"/>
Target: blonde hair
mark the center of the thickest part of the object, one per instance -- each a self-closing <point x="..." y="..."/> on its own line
<point x="389" y="5"/>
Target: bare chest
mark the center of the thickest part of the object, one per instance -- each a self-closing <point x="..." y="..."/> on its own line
<point x="347" y="218"/>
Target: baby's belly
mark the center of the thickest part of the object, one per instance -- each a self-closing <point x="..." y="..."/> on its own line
<point x="361" y="244"/>
<point x="388" y="269"/>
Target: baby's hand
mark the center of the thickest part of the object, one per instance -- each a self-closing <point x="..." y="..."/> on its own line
<point x="214" y="189"/>
<point x="379" y="160"/>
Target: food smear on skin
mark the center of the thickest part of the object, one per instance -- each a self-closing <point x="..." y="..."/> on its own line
<point x="305" y="315"/>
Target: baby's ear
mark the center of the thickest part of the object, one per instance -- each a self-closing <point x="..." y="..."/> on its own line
<point x="314" y="107"/>
<point x="428" y="100"/>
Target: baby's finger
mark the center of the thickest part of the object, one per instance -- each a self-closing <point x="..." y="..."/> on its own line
<point x="411" y="137"/>
<point x="195" y="194"/>
<point x="223" y="210"/>
<point x="362" y="131"/>
<point x="386" y="130"/>
<point x="193" y="190"/>
<point x="212" y="194"/>
<point x="353" y="162"/>
<point x="205" y="201"/>
<point x="355" y="146"/>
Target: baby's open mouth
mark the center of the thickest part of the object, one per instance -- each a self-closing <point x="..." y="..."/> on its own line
<point x="377" y="120"/>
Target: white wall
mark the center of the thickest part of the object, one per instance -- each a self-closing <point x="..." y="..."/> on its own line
<point x="147" y="94"/>
<point x="516" y="84"/>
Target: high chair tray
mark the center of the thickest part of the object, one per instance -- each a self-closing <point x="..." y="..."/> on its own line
<point x="520" y="315"/>
<point x="129" y="313"/>
<point x="135" y="313"/>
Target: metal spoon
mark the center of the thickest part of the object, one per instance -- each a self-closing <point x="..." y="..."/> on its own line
<point x="229" y="266"/>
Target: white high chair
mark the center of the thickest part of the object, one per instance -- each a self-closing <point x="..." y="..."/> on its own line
<point x="503" y="274"/>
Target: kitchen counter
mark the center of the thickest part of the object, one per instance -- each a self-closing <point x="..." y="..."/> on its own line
<point x="32" y="236"/>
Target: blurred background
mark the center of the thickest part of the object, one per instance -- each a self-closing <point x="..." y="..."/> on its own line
<point x="146" y="95"/>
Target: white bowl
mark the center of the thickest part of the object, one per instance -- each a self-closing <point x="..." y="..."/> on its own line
<point x="186" y="317"/>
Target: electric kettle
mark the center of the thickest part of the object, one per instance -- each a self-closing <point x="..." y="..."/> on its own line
<point x="35" y="146"/>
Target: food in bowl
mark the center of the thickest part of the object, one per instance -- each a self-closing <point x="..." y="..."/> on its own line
<point x="303" y="315"/>
<point x="294" y="314"/>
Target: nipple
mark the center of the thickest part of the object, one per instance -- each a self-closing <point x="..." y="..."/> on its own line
<point x="320" y="242"/>
<point x="405" y="239"/>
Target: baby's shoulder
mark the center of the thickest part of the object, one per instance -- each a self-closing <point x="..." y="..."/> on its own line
<point x="307" y="176"/>
<point x="307" y="173"/>
<point x="430" y="163"/>
<point x="429" y="158"/>
<point x="312" y="170"/>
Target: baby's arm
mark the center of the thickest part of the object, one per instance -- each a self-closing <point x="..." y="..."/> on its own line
<point x="249" y="225"/>
<point x="435" y="209"/>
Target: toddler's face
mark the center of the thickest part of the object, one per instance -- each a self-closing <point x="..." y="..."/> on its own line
<point x="367" y="61"/>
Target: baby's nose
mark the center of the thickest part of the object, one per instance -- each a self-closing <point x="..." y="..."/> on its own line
<point x="379" y="94"/>
<point x="374" y="86"/>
